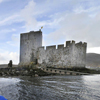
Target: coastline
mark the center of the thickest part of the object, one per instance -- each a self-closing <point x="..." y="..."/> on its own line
<point x="34" y="71"/>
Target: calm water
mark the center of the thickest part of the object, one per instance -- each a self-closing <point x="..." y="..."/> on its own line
<point x="51" y="88"/>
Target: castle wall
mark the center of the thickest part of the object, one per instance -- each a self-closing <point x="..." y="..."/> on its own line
<point x="78" y="54"/>
<point x="31" y="50"/>
<point x="29" y="42"/>
<point x="72" y="55"/>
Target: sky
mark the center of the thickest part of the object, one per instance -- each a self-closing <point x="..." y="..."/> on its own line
<point x="62" y="20"/>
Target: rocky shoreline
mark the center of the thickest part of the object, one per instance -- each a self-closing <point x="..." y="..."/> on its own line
<point x="22" y="71"/>
<point x="35" y="71"/>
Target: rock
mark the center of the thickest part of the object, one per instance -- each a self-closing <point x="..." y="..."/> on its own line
<point x="13" y="70"/>
<point x="2" y="73"/>
<point x="36" y="75"/>
<point x="10" y="64"/>
<point x="35" y="71"/>
<point x="31" y="70"/>
<point x="17" y="72"/>
<point x="25" y="72"/>
<point x="7" y="73"/>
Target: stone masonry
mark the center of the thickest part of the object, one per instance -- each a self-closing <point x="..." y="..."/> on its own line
<point x="29" y="43"/>
<point x="31" y="50"/>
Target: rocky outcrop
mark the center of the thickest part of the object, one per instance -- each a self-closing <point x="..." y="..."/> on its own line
<point x="22" y="71"/>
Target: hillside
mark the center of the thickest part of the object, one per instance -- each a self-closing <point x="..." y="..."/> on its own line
<point x="93" y="59"/>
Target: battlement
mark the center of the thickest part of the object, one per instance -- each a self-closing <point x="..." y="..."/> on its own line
<point x="73" y="42"/>
<point x="78" y="44"/>
<point x="70" y="54"/>
<point x="84" y="44"/>
<point x="73" y="54"/>
<point x="61" y="46"/>
<point x="69" y="43"/>
<point x="50" y="47"/>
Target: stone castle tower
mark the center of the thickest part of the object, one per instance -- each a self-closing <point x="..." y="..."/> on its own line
<point x="29" y="42"/>
<point x="31" y="50"/>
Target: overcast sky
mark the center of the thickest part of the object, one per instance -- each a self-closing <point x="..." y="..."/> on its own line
<point x="62" y="20"/>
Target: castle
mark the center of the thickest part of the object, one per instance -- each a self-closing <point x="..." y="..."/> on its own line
<point x="31" y="50"/>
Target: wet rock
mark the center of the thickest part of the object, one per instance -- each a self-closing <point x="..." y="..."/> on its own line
<point x="25" y="72"/>
<point x="31" y="70"/>
<point x="17" y="72"/>
<point x="36" y="75"/>
<point x="2" y="73"/>
<point x="22" y="71"/>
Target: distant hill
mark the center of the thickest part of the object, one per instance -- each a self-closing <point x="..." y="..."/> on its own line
<point x="93" y="60"/>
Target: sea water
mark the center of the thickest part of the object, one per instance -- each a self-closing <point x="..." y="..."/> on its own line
<point x="85" y="87"/>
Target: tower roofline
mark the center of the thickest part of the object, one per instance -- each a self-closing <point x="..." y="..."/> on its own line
<point x="32" y="32"/>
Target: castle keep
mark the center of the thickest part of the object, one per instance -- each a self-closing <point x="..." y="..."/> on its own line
<point x="29" y="44"/>
<point x="31" y="50"/>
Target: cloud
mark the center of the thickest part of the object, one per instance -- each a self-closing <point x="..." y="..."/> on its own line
<point x="9" y="20"/>
<point x="80" y="23"/>
<point x="28" y="17"/>
<point x="76" y="26"/>
<point x="1" y="1"/>
<point x="34" y="11"/>
<point x="6" y="56"/>
<point x="5" y="32"/>
<point x="15" y="40"/>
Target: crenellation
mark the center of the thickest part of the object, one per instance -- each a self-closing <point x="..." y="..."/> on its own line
<point x="73" y="42"/>
<point x="85" y="44"/>
<point x="79" y="44"/>
<point x="72" y="55"/>
<point x="68" y="43"/>
<point x="50" y="47"/>
<point x="60" y="46"/>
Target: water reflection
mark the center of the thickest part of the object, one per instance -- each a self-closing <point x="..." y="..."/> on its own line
<point x="51" y="88"/>
<point x="91" y="85"/>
